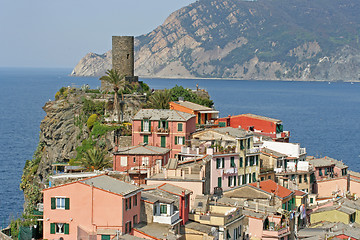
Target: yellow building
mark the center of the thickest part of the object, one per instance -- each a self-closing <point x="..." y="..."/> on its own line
<point x="336" y="213"/>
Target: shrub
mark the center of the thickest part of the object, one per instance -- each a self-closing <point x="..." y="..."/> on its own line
<point x="91" y="121"/>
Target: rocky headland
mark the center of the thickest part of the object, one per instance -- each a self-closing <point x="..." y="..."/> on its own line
<point x="259" y="40"/>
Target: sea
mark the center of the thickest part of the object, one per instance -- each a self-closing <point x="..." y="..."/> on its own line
<point x="323" y="117"/>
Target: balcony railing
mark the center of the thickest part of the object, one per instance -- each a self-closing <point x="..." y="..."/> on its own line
<point x="277" y="233"/>
<point x="145" y="130"/>
<point x="252" y="151"/>
<point x="164" y="131"/>
<point x="166" y="219"/>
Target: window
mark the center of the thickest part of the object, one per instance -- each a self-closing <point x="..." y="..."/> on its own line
<point x="300" y="178"/>
<point x="241" y="144"/>
<point x="128" y="203"/>
<point x="254" y="177"/>
<point x="135" y="200"/>
<point x="262" y="178"/>
<point x="145" y="125"/>
<point x="123" y="161"/>
<point x="180" y="127"/>
<point x="219" y="182"/>
<point x="229" y="181"/>
<point x="179" y="140"/>
<point x="128" y="227"/>
<point x="232" y="161"/>
<point x="269" y="177"/>
<point x="60" y="203"/>
<point x="320" y="172"/>
<point x="257" y="160"/>
<point x="220" y="163"/>
<point x="163" y="141"/>
<point x="146" y="139"/>
<point x="305" y="178"/>
<point x="311" y="200"/>
<point x="145" y="161"/>
<point x="134" y="159"/>
<point x="344" y="171"/>
<point x="248" y="143"/>
<point x="249" y="177"/>
<point x="163" y="124"/>
<point x="240" y="180"/>
<point x="135" y="221"/>
<point x="163" y="209"/>
<point x="326" y="171"/>
<point x="59" y="228"/>
<point x="105" y="237"/>
<point x="241" y="161"/>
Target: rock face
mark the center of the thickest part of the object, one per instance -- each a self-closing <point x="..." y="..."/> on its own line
<point x="280" y="39"/>
<point x="93" y="65"/>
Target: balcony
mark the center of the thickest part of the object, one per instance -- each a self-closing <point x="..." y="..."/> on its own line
<point x="167" y="219"/>
<point x="277" y="232"/>
<point x="218" y="216"/>
<point x="162" y="131"/>
<point x="145" y="131"/>
<point x="252" y="151"/>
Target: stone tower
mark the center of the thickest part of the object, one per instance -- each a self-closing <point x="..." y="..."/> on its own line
<point x="122" y="58"/>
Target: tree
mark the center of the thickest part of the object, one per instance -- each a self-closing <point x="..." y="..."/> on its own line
<point x="95" y="159"/>
<point x="117" y="81"/>
<point x="159" y="99"/>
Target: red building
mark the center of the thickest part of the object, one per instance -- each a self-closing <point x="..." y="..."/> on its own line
<point x="135" y="160"/>
<point x="263" y="125"/>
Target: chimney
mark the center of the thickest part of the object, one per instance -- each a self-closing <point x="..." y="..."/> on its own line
<point x="256" y="206"/>
<point x="258" y="184"/>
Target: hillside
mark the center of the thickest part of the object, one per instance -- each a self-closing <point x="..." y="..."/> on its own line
<point x="277" y="39"/>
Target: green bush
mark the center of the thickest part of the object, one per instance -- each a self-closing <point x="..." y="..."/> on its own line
<point x="91" y="121"/>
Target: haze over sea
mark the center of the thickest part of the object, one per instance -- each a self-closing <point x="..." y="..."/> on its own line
<point x="323" y="117"/>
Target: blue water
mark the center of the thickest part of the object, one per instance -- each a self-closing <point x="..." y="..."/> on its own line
<point x="323" y="117"/>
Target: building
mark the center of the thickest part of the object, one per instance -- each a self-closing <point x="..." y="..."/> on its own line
<point x="163" y="128"/>
<point x="205" y="116"/>
<point x="166" y="203"/>
<point x="97" y="207"/>
<point x="135" y="160"/>
<point x="265" y="192"/>
<point x="237" y="145"/>
<point x="331" y="177"/>
<point x="228" y="221"/>
<point x="263" y="125"/>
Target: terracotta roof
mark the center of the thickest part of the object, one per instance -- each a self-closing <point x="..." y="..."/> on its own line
<point x="299" y="193"/>
<point x="193" y="106"/>
<point x="272" y="187"/>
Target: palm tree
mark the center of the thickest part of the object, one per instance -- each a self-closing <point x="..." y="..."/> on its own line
<point x="159" y="99"/>
<point x="95" y="159"/>
<point x="117" y="81"/>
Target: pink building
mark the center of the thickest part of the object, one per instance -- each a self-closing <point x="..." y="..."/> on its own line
<point x="163" y="128"/>
<point x="136" y="160"/>
<point x="331" y="177"/>
<point x="224" y="172"/>
<point x="93" y="208"/>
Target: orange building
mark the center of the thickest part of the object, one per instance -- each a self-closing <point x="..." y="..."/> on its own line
<point x="262" y="125"/>
<point x="205" y="116"/>
<point x="92" y="208"/>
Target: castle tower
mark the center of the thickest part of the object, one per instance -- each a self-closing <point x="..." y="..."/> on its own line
<point x="122" y="58"/>
<point x="123" y="54"/>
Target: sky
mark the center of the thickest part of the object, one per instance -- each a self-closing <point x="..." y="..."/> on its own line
<point x="58" y="33"/>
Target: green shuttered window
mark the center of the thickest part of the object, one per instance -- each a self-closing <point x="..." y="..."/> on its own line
<point x="53" y="204"/>
<point x="52" y="228"/>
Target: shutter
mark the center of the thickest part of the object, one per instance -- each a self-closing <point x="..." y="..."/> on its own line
<point x="142" y="125"/>
<point x="159" y="124"/>
<point x="67" y="203"/>
<point x="149" y="126"/>
<point x="183" y="140"/>
<point x="146" y="139"/>
<point x="167" y="124"/>
<point x="223" y="163"/>
<point x="176" y="140"/>
<point x="52" y="228"/>
<point x="53" y="203"/>
<point x="66" y="228"/>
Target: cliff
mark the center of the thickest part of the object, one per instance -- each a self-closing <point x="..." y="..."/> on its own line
<point x="279" y="40"/>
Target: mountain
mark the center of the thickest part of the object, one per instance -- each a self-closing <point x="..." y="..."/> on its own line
<point x="264" y="39"/>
